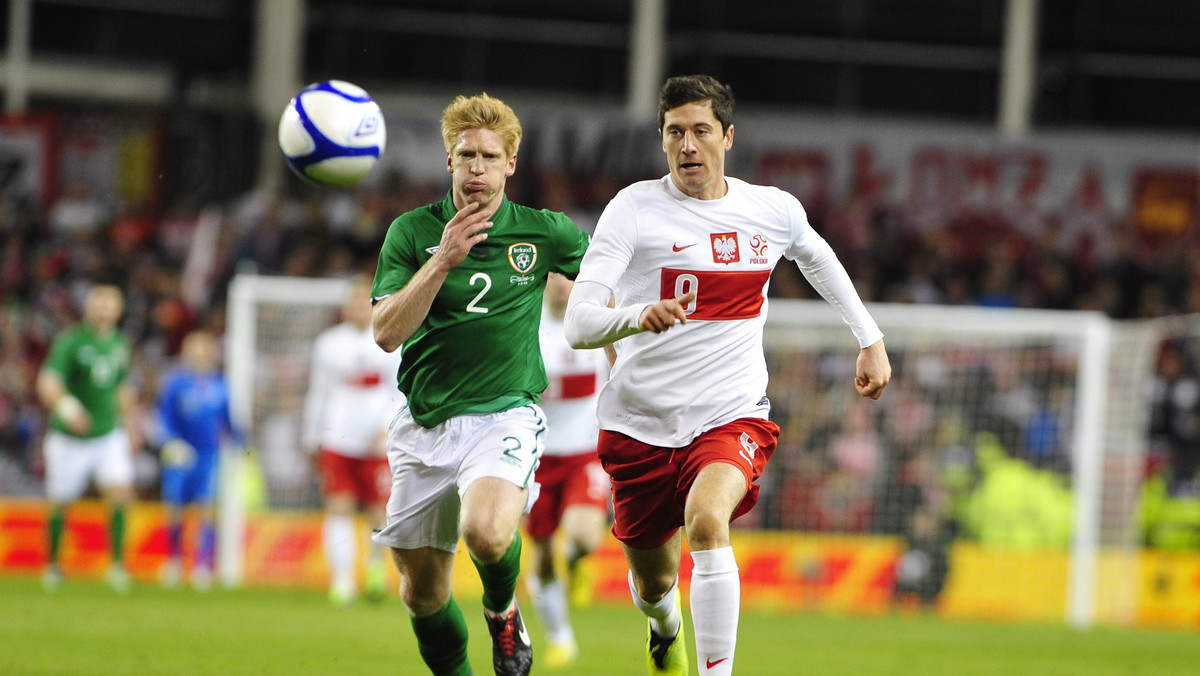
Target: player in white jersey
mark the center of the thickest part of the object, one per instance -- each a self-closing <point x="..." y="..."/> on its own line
<point x="684" y="416"/>
<point x="575" y="489"/>
<point x="351" y="398"/>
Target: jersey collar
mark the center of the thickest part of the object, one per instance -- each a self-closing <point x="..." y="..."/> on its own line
<point x="448" y="208"/>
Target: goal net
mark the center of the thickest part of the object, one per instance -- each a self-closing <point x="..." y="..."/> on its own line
<point x="1006" y="457"/>
<point x="1005" y="463"/>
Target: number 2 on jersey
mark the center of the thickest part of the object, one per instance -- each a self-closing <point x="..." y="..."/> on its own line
<point x="474" y="305"/>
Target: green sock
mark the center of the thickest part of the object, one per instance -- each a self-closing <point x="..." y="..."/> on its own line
<point x="56" y="523"/>
<point x="500" y="578"/>
<point x="442" y="641"/>
<point x="116" y="529"/>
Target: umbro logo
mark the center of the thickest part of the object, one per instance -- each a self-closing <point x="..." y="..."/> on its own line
<point x="432" y="249"/>
<point x="367" y="126"/>
<point x="678" y="248"/>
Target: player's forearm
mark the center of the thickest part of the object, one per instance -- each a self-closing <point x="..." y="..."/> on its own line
<point x="827" y="275"/>
<point x="591" y="323"/>
<point x="398" y="316"/>
<point x="51" y="390"/>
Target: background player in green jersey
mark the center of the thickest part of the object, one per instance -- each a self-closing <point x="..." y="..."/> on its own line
<point x="91" y="434"/>
<point x="459" y="284"/>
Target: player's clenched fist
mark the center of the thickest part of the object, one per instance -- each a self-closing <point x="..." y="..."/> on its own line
<point x="666" y="313"/>
<point x="873" y="371"/>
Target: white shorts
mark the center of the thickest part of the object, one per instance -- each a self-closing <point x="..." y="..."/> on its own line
<point x="72" y="461"/>
<point x="432" y="469"/>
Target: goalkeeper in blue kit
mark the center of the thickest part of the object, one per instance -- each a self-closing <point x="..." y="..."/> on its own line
<point x="193" y="417"/>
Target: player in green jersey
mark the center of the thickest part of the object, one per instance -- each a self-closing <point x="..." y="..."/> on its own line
<point x="82" y="384"/>
<point x="459" y="285"/>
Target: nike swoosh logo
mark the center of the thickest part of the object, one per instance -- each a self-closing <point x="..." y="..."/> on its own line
<point x="712" y="663"/>
<point x="677" y="248"/>
<point x="524" y="635"/>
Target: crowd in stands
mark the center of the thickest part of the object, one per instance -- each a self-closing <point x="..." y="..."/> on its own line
<point x="931" y="449"/>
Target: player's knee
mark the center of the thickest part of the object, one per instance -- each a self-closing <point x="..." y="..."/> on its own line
<point x="421" y="599"/>
<point x="653" y="587"/>
<point x="119" y="495"/>
<point x="340" y="505"/>
<point x="487" y="543"/>
<point x="589" y="537"/>
<point x="587" y="540"/>
<point x="707" y="528"/>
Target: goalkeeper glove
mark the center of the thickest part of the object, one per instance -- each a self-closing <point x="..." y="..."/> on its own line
<point x="178" y="453"/>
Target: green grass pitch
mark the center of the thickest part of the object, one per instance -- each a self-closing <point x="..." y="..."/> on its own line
<point x="87" y="629"/>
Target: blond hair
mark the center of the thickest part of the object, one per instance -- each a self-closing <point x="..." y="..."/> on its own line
<point x="481" y="112"/>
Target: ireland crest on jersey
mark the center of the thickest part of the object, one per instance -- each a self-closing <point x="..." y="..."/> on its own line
<point x="522" y="256"/>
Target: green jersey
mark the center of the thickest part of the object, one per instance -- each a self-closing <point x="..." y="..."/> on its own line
<point x="477" y="350"/>
<point x="92" y="368"/>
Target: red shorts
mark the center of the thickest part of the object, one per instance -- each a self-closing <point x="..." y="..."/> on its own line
<point x="566" y="480"/>
<point x="650" y="484"/>
<point x="369" y="479"/>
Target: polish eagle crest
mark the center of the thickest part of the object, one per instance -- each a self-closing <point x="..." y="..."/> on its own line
<point x="725" y="247"/>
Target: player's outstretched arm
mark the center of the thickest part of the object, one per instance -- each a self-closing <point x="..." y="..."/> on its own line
<point x="873" y="370"/>
<point x="397" y="317"/>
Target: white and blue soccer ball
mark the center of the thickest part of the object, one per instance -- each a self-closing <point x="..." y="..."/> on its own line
<point x="332" y="133"/>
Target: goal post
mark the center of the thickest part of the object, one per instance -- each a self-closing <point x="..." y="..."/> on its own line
<point x="271" y="324"/>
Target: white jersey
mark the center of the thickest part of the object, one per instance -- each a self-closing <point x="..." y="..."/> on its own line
<point x="654" y="242"/>
<point x="569" y="402"/>
<point x="352" y="393"/>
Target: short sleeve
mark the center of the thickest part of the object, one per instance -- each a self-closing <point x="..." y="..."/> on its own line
<point x="58" y="360"/>
<point x="570" y="244"/>
<point x="397" y="262"/>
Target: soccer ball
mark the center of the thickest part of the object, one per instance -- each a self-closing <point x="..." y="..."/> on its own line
<point x="332" y="133"/>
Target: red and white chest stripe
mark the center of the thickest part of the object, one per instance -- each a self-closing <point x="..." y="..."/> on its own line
<point x="571" y="386"/>
<point x="721" y="295"/>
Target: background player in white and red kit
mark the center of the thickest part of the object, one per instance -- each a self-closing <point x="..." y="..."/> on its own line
<point x="575" y="489"/>
<point x="684" y="416"/>
<point x="351" y="398"/>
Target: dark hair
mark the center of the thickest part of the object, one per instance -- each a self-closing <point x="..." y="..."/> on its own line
<point x="684" y="89"/>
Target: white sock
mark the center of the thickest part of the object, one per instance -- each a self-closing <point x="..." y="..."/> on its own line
<point x="341" y="550"/>
<point x="716" y="600"/>
<point x="664" y="619"/>
<point x="550" y="599"/>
